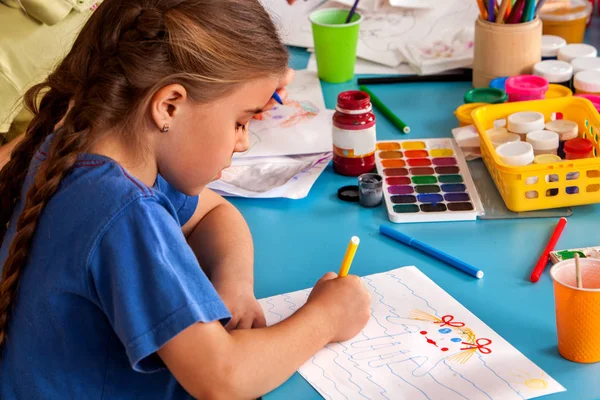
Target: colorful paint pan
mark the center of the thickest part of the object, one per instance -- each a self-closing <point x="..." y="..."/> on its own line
<point x="426" y="181"/>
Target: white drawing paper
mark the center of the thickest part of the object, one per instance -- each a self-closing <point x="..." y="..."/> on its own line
<point x="268" y="177"/>
<point x="301" y="126"/>
<point x="420" y="343"/>
<point x="384" y="31"/>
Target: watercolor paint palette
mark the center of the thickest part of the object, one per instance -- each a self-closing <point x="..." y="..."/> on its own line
<point x="426" y="181"/>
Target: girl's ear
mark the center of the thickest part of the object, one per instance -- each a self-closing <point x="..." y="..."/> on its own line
<point x="166" y="103"/>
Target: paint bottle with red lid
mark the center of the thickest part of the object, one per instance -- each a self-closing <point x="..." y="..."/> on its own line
<point x="354" y="138"/>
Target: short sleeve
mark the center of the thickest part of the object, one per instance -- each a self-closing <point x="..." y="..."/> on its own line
<point x="148" y="282"/>
<point x="184" y="205"/>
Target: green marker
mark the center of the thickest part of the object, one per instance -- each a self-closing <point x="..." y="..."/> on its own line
<point x="386" y="111"/>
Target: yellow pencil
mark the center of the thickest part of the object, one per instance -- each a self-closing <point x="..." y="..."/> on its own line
<point x="349" y="256"/>
<point x="502" y="12"/>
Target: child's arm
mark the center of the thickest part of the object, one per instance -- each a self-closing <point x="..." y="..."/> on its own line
<point x="213" y="364"/>
<point x="221" y="240"/>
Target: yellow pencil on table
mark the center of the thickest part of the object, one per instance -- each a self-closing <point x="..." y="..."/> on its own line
<point x="349" y="256"/>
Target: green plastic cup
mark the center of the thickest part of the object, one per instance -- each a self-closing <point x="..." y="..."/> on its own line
<point x="335" y="43"/>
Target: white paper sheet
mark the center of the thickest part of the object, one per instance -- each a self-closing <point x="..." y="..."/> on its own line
<point x="383" y="31"/>
<point x="269" y="177"/>
<point x="301" y="126"/>
<point x="292" y="21"/>
<point x="420" y="343"/>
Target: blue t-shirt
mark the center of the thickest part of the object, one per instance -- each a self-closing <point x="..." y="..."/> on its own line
<point x="109" y="280"/>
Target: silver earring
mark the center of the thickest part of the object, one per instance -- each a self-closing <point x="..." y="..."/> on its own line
<point x="165" y="128"/>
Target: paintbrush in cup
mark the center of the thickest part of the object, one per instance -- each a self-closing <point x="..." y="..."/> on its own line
<point x="578" y="272"/>
<point x="352" y="11"/>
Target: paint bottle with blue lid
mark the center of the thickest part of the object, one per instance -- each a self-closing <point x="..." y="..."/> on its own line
<point x="353" y="134"/>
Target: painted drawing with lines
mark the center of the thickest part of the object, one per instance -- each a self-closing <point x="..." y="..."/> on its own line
<point x="420" y="343"/>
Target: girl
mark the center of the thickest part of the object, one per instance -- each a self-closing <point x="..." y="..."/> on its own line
<point x="103" y="232"/>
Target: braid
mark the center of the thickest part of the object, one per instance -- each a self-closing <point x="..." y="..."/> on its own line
<point x="62" y="156"/>
<point x="12" y="176"/>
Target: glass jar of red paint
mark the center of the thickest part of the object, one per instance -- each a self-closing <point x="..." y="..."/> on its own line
<point x="354" y="137"/>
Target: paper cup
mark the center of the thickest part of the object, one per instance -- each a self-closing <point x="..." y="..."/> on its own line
<point x="578" y="310"/>
<point x="335" y="43"/>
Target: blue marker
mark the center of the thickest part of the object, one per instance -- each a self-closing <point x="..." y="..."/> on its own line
<point x="277" y="98"/>
<point x="407" y="240"/>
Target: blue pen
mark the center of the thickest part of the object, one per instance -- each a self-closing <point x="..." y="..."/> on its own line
<point x="407" y="240"/>
<point x="277" y="98"/>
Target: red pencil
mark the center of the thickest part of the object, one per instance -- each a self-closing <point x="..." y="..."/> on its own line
<point x="541" y="264"/>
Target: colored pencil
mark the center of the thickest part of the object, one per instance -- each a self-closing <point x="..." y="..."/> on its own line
<point x="448" y="259"/>
<point x="349" y="256"/>
<point x="516" y="13"/>
<point x="461" y="75"/>
<point x="541" y="264"/>
<point x="508" y="9"/>
<point x="386" y="111"/>
<point x="482" y="10"/>
<point x="539" y="6"/>
<point x="490" y="9"/>
<point x="502" y="11"/>
<point x="277" y="98"/>
<point x="352" y="11"/>
<point x="528" y="10"/>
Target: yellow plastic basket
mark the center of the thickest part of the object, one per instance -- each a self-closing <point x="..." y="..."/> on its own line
<point x="542" y="186"/>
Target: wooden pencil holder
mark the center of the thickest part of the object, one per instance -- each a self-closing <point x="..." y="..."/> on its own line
<point x="505" y="50"/>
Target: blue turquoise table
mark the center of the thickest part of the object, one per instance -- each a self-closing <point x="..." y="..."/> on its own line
<point x="297" y="241"/>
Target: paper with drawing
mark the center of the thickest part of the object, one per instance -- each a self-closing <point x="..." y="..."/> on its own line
<point x="301" y="126"/>
<point x="384" y="31"/>
<point x="420" y="343"/>
<point x="269" y="177"/>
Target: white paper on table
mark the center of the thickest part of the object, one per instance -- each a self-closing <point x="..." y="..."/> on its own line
<point x="292" y="21"/>
<point x="420" y="343"/>
<point x="268" y="177"/>
<point x="450" y="50"/>
<point x="382" y="32"/>
<point x="301" y="126"/>
<point x="368" y="67"/>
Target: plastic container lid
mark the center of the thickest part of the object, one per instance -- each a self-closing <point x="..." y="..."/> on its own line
<point x="587" y="81"/>
<point x="556" y="91"/>
<point x="526" y="85"/>
<point x="551" y="44"/>
<point x="585" y="63"/>
<point x="463" y="113"/>
<point x="566" y="129"/>
<point x="516" y="153"/>
<point x="525" y="122"/>
<point x="546" y="159"/>
<point x="573" y="51"/>
<point x="499" y="83"/>
<point x="579" y="146"/>
<point x="499" y="136"/>
<point x="554" y="71"/>
<point x="565" y="10"/>
<point x="348" y="193"/>
<point x="485" y="95"/>
<point x="543" y="140"/>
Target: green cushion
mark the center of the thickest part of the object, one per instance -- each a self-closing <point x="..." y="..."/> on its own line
<point x="29" y="51"/>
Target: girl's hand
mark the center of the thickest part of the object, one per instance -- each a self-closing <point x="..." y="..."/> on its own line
<point x="245" y="310"/>
<point x="285" y="80"/>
